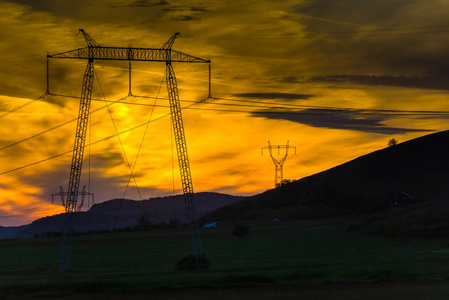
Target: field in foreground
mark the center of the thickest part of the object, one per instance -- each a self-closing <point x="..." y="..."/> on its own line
<point x="275" y="261"/>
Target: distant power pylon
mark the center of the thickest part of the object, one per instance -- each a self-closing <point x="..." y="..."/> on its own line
<point x="278" y="175"/>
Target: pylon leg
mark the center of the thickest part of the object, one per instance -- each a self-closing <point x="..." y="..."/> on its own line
<point x="184" y="165"/>
<point x="77" y="163"/>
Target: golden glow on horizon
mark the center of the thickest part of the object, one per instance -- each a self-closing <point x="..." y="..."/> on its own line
<point x="261" y="51"/>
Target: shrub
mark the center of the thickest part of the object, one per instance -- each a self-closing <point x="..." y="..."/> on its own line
<point x="189" y="263"/>
<point x="241" y="230"/>
<point x="175" y="223"/>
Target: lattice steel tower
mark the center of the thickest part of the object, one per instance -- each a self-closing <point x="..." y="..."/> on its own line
<point x="278" y="173"/>
<point x="165" y="54"/>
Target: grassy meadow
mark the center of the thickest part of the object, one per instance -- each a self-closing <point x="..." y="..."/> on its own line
<point x="303" y="254"/>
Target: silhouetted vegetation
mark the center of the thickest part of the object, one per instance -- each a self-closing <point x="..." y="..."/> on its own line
<point x="392" y="142"/>
<point x="241" y="230"/>
<point x="189" y="262"/>
<point x="143" y="222"/>
<point x="417" y="225"/>
<point x="175" y="223"/>
<point x="284" y="182"/>
<point x="308" y="198"/>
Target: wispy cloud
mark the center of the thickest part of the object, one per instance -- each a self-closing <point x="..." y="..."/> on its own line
<point x="339" y="119"/>
<point x="274" y="95"/>
<point x="427" y="82"/>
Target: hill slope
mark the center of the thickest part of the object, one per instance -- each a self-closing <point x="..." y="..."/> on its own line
<point x="420" y="167"/>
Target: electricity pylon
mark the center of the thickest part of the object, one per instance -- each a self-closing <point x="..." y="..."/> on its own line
<point x="278" y="173"/>
<point x="63" y="196"/>
<point x="92" y="52"/>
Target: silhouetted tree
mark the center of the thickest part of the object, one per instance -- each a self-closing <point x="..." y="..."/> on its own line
<point x="284" y="182"/>
<point x="143" y="222"/>
<point x="392" y="142"/>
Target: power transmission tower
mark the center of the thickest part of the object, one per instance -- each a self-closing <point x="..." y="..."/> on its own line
<point x="165" y="54"/>
<point x="63" y="196"/>
<point x="278" y="173"/>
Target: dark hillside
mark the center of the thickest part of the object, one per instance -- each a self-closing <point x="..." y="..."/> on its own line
<point x="363" y="186"/>
<point x="419" y="167"/>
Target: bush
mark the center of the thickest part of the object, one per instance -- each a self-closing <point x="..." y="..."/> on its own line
<point x="189" y="263"/>
<point x="240" y="230"/>
<point x="143" y="223"/>
<point x="175" y="223"/>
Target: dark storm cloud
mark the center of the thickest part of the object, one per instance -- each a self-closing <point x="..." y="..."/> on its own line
<point x="221" y="156"/>
<point x="290" y="79"/>
<point x="52" y="5"/>
<point x="283" y="96"/>
<point x="146" y="3"/>
<point x="183" y="18"/>
<point x="338" y="119"/>
<point x="184" y="12"/>
<point x="107" y="160"/>
<point x="396" y="38"/>
<point x="430" y="82"/>
<point x="352" y="11"/>
<point x="186" y="8"/>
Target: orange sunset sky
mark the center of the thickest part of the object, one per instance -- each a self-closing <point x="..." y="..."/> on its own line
<point x="337" y="79"/>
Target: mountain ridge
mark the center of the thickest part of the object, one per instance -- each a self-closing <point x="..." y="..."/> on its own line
<point x="119" y="213"/>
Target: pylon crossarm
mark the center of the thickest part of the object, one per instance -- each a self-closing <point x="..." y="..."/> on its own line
<point x="129" y="53"/>
<point x="168" y="44"/>
<point x="89" y="40"/>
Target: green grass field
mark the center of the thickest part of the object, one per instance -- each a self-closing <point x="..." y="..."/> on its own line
<point x="312" y="256"/>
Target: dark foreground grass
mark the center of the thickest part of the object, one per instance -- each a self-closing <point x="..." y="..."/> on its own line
<point x="301" y="256"/>
<point x="389" y="291"/>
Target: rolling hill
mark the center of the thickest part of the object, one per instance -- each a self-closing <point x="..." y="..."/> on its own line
<point x="119" y="213"/>
<point x="363" y="186"/>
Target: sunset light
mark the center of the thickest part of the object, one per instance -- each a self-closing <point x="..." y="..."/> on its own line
<point x="334" y="83"/>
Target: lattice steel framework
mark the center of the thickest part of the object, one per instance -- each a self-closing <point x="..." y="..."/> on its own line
<point x="184" y="165"/>
<point x="130" y="53"/>
<point x="278" y="173"/>
<point x="77" y="157"/>
<point x="92" y="52"/>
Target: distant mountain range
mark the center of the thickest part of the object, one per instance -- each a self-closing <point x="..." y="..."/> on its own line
<point x="367" y="185"/>
<point x="119" y="213"/>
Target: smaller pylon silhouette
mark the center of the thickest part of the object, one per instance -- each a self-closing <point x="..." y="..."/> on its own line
<point x="278" y="175"/>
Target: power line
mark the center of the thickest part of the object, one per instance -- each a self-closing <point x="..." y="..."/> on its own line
<point x="318" y="111"/>
<point x="96" y="142"/>
<point x="34" y="55"/>
<point x="23" y="105"/>
<point x="332" y="109"/>
<point x="119" y="139"/>
<point x="279" y="109"/>
<point x="335" y="34"/>
<point x="340" y="108"/>
<point x="57" y="126"/>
